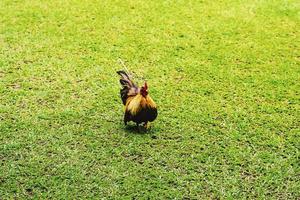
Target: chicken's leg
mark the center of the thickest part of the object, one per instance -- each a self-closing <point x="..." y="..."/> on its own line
<point x="147" y="125"/>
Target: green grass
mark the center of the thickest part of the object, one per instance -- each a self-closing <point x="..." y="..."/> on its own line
<point x="225" y="75"/>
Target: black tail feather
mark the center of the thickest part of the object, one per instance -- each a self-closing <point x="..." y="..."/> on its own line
<point x="125" y="79"/>
<point x="127" y="85"/>
<point x="123" y="75"/>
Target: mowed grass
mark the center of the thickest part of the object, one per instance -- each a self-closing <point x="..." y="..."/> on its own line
<point x="225" y="76"/>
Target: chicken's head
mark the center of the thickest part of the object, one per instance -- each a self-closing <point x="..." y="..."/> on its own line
<point x="144" y="90"/>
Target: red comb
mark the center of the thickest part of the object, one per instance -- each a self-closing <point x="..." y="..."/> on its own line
<point x="145" y="85"/>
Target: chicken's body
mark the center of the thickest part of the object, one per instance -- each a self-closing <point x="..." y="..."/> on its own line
<point x="139" y="106"/>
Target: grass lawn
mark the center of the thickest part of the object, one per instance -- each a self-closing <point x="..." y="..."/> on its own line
<point x="225" y="75"/>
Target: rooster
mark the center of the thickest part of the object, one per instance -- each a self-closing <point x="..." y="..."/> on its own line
<point x="139" y="106"/>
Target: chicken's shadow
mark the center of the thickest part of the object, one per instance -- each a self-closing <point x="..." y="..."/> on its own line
<point x="136" y="130"/>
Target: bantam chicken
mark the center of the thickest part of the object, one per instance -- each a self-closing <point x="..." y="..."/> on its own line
<point x="139" y="106"/>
